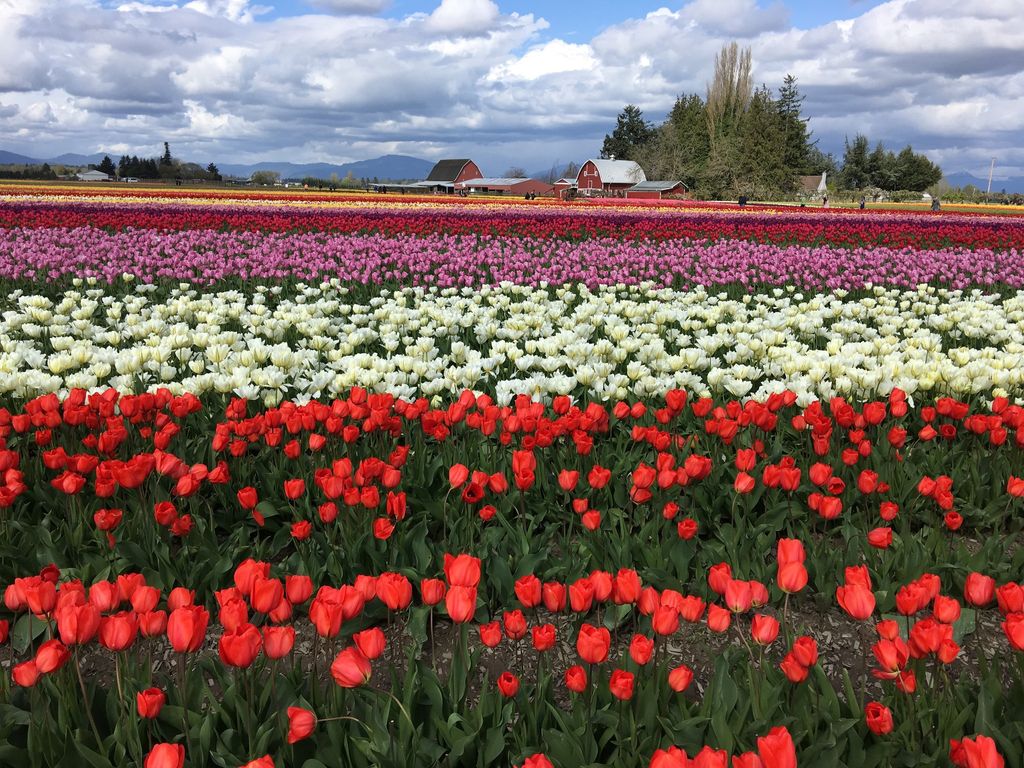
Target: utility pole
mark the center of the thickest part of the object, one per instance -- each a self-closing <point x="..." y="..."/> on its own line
<point x="991" y="168"/>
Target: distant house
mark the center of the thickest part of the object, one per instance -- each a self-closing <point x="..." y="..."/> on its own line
<point x="813" y="185"/>
<point x="608" y="176"/>
<point x="442" y="178"/>
<point x="505" y="186"/>
<point x="655" y="190"/>
<point x="93" y="176"/>
<point x="565" y="188"/>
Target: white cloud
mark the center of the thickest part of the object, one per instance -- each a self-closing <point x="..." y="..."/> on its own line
<point x="225" y="81"/>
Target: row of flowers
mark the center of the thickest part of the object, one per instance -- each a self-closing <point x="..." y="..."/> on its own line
<point x="206" y="256"/>
<point x="609" y="343"/>
<point x="608" y="647"/>
<point x="371" y="481"/>
<point x="427" y="218"/>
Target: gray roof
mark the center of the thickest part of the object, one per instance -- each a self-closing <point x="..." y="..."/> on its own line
<point x="447" y="170"/>
<point x="655" y="186"/>
<point x="496" y="182"/>
<point x="93" y="174"/>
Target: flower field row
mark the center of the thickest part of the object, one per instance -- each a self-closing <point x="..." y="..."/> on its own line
<point x="707" y="545"/>
<point x="793" y="226"/>
<point x="206" y="256"/>
<point x="611" y="343"/>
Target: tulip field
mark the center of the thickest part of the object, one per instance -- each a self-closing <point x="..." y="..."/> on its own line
<point x="318" y="480"/>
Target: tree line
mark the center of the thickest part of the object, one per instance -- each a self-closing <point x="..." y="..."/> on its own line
<point x="740" y="140"/>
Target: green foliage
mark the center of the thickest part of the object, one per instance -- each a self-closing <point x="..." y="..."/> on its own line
<point x="632" y="132"/>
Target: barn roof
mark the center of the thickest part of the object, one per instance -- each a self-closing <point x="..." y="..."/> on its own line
<point x="448" y="170"/>
<point x="618" y="171"/>
<point x="655" y="186"/>
<point x="809" y="184"/>
<point x="495" y="182"/>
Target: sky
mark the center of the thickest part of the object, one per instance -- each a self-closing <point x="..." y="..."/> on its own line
<point x="507" y="82"/>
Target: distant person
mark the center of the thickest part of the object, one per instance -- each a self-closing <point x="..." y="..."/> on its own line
<point x="935" y="204"/>
<point x="743" y="200"/>
<point x="863" y="202"/>
<point x="824" y="202"/>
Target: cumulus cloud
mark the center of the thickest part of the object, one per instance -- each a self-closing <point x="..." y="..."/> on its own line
<point x="224" y="81"/>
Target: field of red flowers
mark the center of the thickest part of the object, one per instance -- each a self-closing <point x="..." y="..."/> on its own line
<point x="369" y="579"/>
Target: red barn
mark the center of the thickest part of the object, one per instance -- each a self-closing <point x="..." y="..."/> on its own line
<point x="448" y="173"/>
<point x="565" y="189"/>
<point x="608" y="176"/>
<point x="505" y="186"/>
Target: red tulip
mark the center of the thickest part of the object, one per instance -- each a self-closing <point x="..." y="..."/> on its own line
<point x="298" y="589"/>
<point x="673" y="757"/>
<point x="641" y="649"/>
<point x="490" y="634"/>
<point x="432" y="591"/>
<point x="370" y="641"/>
<point x="791" y="667"/>
<point x="261" y="762"/>
<point x="394" y="590"/>
<point x="764" y="629"/>
<point x="25" y="674"/>
<point x="515" y="624"/>
<point x="805" y="650"/>
<point x="880" y="538"/>
<point x="351" y="668"/>
<point x="856" y="600"/>
<point x="528" y="591"/>
<point x="777" y="749"/>
<point x="553" y="595"/>
<point x="247" y="572"/>
<point x="593" y="643"/>
<point x="240" y="647"/>
<point x="1013" y="628"/>
<point x="576" y="679"/>
<point x="719" y="618"/>
<point x="165" y="756"/>
<point x="878" y="718"/>
<point x="186" y="628"/>
<point x="118" y="632"/>
<point x="51" y="656"/>
<point x="679" y="679"/>
<point x="544" y="637"/>
<point x="979" y="590"/>
<point x="462" y="570"/>
<point x="247" y="497"/>
<point x="278" y="641"/>
<point x="77" y="624"/>
<point x="979" y="752"/>
<point x="621" y="684"/>
<point x="665" y="620"/>
<point x="791" y="577"/>
<point x="460" y="603"/>
<point x="149" y="702"/>
<point x="294" y="488"/>
<point x="946" y="609"/>
<point x="301" y="723"/>
<point x="508" y="684"/>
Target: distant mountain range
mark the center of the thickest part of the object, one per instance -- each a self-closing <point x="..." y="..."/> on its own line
<point x="1013" y="184"/>
<point x="385" y="168"/>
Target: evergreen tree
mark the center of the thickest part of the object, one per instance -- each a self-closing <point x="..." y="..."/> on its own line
<point x="107" y="166"/>
<point x="855" y="163"/>
<point x="631" y="133"/>
<point x="795" y="136"/>
<point x="762" y="171"/>
<point x="214" y="172"/>
<point x="166" y="159"/>
<point x="881" y="167"/>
